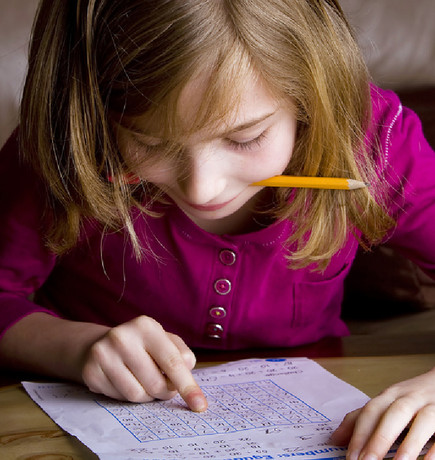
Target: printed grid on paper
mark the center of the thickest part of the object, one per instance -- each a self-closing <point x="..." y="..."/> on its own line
<point x="232" y="408"/>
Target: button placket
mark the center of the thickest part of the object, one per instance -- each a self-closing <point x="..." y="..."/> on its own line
<point x="222" y="293"/>
<point x="215" y="331"/>
<point x="227" y="257"/>
<point x="222" y="286"/>
<point x="217" y="312"/>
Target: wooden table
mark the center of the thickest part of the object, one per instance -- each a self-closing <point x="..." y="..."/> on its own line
<point x="27" y="433"/>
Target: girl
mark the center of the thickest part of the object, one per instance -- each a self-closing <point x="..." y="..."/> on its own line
<point x="133" y="222"/>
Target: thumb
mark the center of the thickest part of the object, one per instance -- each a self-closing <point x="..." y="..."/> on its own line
<point x="343" y="433"/>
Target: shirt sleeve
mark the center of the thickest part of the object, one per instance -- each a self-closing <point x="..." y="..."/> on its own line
<point x="409" y="166"/>
<point x="25" y="262"/>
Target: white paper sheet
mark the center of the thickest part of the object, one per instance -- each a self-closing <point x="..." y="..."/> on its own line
<point x="258" y="409"/>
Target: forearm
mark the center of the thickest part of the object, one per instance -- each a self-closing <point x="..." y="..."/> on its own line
<point x="49" y="345"/>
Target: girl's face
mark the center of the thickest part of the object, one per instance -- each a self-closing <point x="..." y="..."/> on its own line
<point x="212" y="182"/>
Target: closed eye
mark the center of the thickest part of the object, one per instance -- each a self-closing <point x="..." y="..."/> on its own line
<point x="248" y="145"/>
<point x="150" y="147"/>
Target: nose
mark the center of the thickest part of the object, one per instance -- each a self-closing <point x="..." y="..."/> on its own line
<point x="203" y="177"/>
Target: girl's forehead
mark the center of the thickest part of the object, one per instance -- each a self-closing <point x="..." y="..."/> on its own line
<point x="251" y="104"/>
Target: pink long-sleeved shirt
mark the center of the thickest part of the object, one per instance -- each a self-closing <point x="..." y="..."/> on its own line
<point x="216" y="291"/>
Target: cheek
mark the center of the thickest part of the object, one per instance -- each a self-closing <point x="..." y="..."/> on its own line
<point x="159" y="173"/>
<point x="148" y="167"/>
<point x="276" y="155"/>
<point x="283" y="145"/>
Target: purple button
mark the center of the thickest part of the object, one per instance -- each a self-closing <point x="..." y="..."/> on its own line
<point x="217" y="312"/>
<point x="214" y="331"/>
<point x="222" y="286"/>
<point x="227" y="257"/>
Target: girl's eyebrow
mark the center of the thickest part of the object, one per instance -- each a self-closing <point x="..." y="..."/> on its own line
<point x="250" y="123"/>
<point x="245" y="125"/>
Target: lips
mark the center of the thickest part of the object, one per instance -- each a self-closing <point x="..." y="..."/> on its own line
<point x="209" y="207"/>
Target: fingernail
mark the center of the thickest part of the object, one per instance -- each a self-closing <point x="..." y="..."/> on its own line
<point x="198" y="403"/>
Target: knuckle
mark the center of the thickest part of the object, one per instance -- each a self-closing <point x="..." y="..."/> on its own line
<point x="157" y="388"/>
<point x="146" y="324"/>
<point x="390" y="394"/>
<point x="407" y="405"/>
<point x="189" y="358"/>
<point x="372" y="407"/>
<point x="116" y="336"/>
<point x="96" y="356"/>
<point x="175" y="362"/>
<point x="136" y="393"/>
<point x="120" y="340"/>
<point x="429" y="411"/>
<point x="177" y="340"/>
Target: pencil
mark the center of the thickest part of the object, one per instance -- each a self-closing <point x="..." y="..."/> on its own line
<point x="311" y="182"/>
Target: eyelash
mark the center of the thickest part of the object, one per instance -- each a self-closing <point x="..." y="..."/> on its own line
<point x="149" y="148"/>
<point x="240" y="146"/>
<point x="249" y="145"/>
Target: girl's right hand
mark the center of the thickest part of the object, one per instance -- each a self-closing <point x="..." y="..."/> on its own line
<point x="139" y="361"/>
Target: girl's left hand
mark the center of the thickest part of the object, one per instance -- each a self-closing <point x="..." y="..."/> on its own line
<point x="371" y="430"/>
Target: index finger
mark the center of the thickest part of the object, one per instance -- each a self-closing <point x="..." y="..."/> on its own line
<point x="171" y="362"/>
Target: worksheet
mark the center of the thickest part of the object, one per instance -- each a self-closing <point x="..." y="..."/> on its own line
<point x="258" y="409"/>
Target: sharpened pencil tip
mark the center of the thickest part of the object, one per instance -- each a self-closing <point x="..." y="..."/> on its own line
<point x="356" y="184"/>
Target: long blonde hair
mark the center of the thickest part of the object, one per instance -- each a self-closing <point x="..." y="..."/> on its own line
<point x="92" y="61"/>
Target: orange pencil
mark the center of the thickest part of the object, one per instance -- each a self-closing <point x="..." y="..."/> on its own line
<point x="311" y="182"/>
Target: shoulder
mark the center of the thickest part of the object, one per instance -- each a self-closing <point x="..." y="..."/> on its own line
<point x="387" y="111"/>
<point x="395" y="136"/>
<point x="18" y="180"/>
<point x="385" y="103"/>
<point x="23" y="211"/>
<point x="404" y="159"/>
